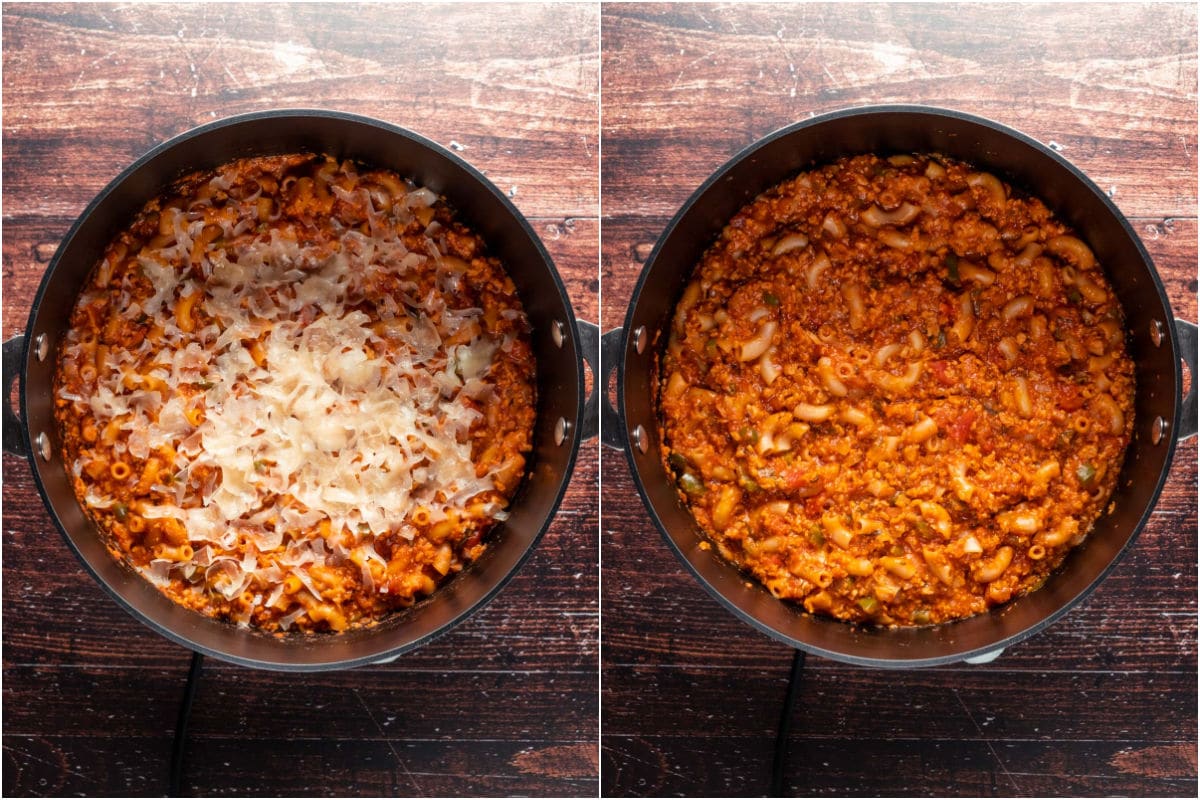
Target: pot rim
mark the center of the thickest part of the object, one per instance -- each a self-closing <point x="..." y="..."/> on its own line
<point x="318" y="642"/>
<point x="980" y="653"/>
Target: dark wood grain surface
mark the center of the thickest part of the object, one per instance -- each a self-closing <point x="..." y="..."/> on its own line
<point x="504" y="704"/>
<point x="1104" y="701"/>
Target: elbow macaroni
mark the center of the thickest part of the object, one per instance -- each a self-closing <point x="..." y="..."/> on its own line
<point x="161" y="405"/>
<point x="958" y="396"/>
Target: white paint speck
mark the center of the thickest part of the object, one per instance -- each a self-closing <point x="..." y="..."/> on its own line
<point x="891" y="57"/>
<point x="290" y="55"/>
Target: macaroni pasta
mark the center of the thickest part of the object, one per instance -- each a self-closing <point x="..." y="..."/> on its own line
<point x="896" y="391"/>
<point x="296" y="393"/>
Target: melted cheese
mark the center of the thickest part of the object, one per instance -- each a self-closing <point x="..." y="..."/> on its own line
<point x="359" y="430"/>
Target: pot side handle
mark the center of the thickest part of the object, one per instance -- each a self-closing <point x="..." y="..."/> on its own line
<point x="14" y="353"/>
<point x="612" y="434"/>
<point x="589" y="344"/>
<point x="1186" y="332"/>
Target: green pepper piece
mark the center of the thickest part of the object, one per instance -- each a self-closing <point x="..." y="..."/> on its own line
<point x="691" y="484"/>
<point x="746" y="482"/>
<point x="1086" y="473"/>
<point x="748" y="434"/>
<point x="868" y="604"/>
<point x="816" y="536"/>
<point x="952" y="268"/>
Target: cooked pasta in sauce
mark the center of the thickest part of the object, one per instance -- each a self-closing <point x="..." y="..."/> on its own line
<point x="296" y="393"/>
<point x="896" y="391"/>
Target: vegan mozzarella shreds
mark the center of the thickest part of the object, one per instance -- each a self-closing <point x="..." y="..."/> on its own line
<point x="296" y="393"/>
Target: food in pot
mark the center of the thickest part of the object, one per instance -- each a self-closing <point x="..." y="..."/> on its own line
<point x="896" y="391"/>
<point x="296" y="393"/>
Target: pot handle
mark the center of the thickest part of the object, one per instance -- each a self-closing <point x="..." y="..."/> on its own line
<point x="612" y="434"/>
<point x="1186" y="331"/>
<point x="14" y="353"/>
<point x="589" y="343"/>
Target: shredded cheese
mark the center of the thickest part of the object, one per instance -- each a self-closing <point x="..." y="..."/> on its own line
<point x="303" y="412"/>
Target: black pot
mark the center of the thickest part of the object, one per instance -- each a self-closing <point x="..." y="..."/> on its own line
<point x="1157" y="343"/>
<point x="559" y="345"/>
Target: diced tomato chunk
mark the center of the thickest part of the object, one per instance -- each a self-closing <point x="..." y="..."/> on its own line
<point x="940" y="370"/>
<point x="960" y="429"/>
<point x="795" y="480"/>
<point x="1070" y="398"/>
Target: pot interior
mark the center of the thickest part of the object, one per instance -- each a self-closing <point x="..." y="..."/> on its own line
<point x="1023" y="163"/>
<point x="480" y="206"/>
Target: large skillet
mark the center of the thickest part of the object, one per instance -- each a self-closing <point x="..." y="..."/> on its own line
<point x="1157" y="344"/>
<point x="557" y="345"/>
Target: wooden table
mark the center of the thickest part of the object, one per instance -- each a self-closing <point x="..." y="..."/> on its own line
<point x="506" y="703"/>
<point x="1104" y="701"/>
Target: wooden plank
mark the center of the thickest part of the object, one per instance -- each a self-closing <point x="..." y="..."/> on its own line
<point x="112" y="82"/>
<point x="867" y="767"/>
<point x="374" y="767"/>
<point x="1123" y="112"/>
<point x="958" y="702"/>
<point x="397" y="700"/>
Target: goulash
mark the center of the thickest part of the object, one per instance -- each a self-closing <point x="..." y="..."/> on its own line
<point x="896" y="391"/>
<point x="296" y="393"/>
